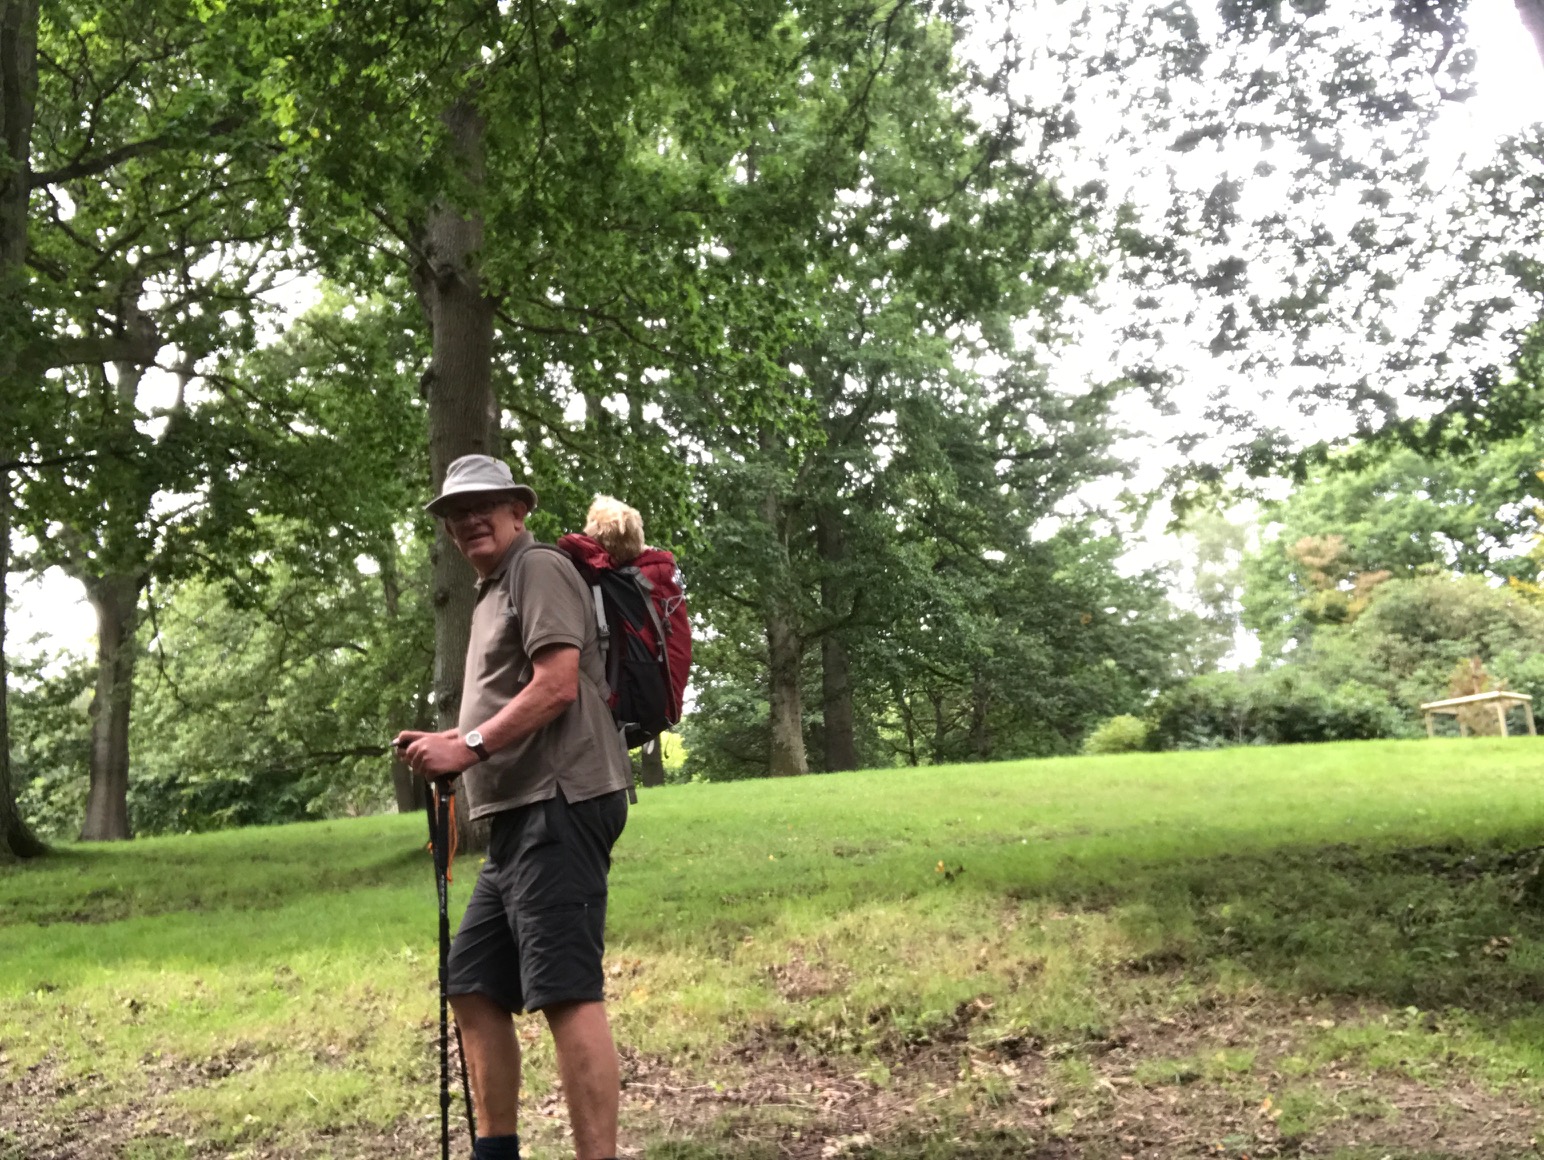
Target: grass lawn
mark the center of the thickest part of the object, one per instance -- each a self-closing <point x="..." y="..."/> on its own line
<point x="1311" y="951"/>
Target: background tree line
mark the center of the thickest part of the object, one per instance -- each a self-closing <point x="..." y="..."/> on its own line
<point x="792" y="281"/>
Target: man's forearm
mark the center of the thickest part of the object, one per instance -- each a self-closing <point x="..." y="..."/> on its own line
<point x="540" y="702"/>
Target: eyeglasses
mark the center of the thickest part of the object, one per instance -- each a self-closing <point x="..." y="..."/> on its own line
<point x="467" y="508"/>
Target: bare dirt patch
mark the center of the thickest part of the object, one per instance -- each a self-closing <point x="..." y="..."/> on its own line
<point x="1018" y="1096"/>
<point x="35" y="1126"/>
<point x="1221" y="1078"/>
<point x="803" y="978"/>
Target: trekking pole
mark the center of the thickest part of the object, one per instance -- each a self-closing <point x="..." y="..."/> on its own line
<point x="440" y="811"/>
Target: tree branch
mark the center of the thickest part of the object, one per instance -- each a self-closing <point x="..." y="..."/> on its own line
<point x="138" y="346"/>
<point x="48" y="461"/>
<point x="91" y="166"/>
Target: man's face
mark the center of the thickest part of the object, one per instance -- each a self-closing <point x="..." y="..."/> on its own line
<point x="483" y="528"/>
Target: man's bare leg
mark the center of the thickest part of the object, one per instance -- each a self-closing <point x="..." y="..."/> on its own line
<point x="592" y="1081"/>
<point x="492" y="1063"/>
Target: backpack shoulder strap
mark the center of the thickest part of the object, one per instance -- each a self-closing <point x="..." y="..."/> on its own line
<point x="647" y="586"/>
<point x="602" y="627"/>
<point x="603" y="632"/>
<point x="516" y="566"/>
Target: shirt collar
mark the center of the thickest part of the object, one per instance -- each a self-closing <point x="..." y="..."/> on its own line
<point x="522" y="541"/>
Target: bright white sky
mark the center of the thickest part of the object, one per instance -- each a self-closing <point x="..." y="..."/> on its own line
<point x="49" y="613"/>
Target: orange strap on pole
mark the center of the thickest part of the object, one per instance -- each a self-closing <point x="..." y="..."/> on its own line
<point x="454" y="840"/>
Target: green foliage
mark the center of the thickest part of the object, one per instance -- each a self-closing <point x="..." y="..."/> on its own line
<point x="1216" y="547"/>
<point x="726" y="733"/>
<point x="639" y="176"/>
<point x="323" y="428"/>
<point x="1382" y="577"/>
<point x="785" y="279"/>
<point x="273" y="707"/>
<point x="1391" y="513"/>
<point x="249" y="713"/>
<point x="1361" y="615"/>
<point x="847" y="521"/>
<point x="50" y="729"/>
<point x="1120" y="734"/>
<point x="1023" y="656"/>
<point x="280" y="709"/>
<point x="154" y="227"/>
<point x="984" y="657"/>
<point x="1279" y="706"/>
<point x="1415" y="632"/>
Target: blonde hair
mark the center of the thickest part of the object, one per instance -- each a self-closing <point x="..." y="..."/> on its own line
<point x="617" y="527"/>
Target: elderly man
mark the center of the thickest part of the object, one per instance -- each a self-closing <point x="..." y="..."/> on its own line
<point x="542" y="759"/>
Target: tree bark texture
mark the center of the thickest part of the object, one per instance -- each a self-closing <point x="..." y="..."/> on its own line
<point x="16" y="839"/>
<point x="463" y="413"/>
<point x="1532" y="12"/>
<point x="908" y="722"/>
<point x="836" y="701"/>
<point x="18" y="93"/>
<point x="841" y="748"/>
<point x="940" y="727"/>
<point x="115" y="599"/>
<point x="784" y="652"/>
<point x="980" y="721"/>
<point x="113" y="583"/>
<point x="18" y="96"/>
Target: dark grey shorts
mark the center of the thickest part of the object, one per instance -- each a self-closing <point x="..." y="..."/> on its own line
<point x="534" y="930"/>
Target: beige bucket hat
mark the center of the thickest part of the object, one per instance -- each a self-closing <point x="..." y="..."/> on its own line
<point x="479" y="474"/>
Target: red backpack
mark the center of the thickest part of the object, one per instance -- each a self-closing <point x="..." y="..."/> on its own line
<point x="645" y="635"/>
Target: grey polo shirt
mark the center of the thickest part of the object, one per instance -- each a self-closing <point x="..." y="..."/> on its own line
<point x="534" y="599"/>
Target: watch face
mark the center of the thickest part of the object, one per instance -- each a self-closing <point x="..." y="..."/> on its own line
<point x="474" y="739"/>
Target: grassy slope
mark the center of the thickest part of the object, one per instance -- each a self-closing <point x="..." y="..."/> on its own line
<point x="255" y="989"/>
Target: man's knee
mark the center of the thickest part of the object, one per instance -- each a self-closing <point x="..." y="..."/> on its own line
<point x="579" y="1026"/>
<point x="568" y="1010"/>
<point x="476" y="1012"/>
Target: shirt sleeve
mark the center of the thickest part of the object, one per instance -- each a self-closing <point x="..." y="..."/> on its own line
<point x="554" y="606"/>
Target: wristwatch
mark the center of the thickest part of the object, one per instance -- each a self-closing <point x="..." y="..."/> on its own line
<point x="474" y="742"/>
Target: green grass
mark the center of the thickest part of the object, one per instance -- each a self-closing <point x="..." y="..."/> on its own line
<point x="271" y="988"/>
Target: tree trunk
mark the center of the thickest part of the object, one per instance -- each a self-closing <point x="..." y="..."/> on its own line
<point x="463" y="414"/>
<point x="408" y="789"/>
<point x="836" y="702"/>
<point x="908" y="722"/>
<point x="1532" y="12"/>
<point x="115" y="598"/>
<point x="18" y="91"/>
<point x="784" y="652"/>
<point x="16" y="840"/>
<point x="940" y="727"/>
<point x="841" y="749"/>
<point x="980" y="727"/>
<point x="652" y="757"/>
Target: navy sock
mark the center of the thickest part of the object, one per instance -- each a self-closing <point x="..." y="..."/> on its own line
<point x="496" y="1148"/>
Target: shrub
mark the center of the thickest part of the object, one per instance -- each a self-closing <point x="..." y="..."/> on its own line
<point x="50" y="730"/>
<point x="1278" y="707"/>
<point x="1122" y="734"/>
